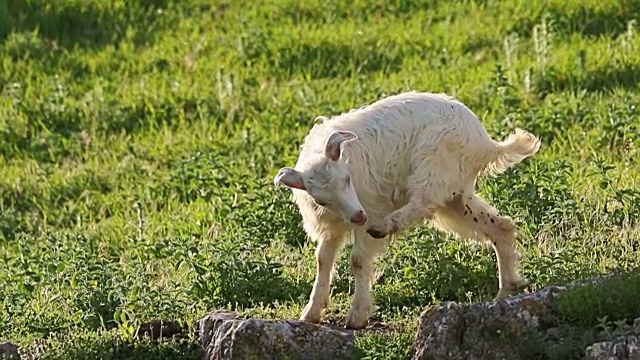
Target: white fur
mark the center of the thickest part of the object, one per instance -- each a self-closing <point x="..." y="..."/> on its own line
<point x="400" y="161"/>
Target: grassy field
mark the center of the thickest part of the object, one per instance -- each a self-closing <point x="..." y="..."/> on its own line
<point x="138" y="145"/>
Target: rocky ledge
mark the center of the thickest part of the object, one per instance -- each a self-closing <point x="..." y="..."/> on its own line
<point x="8" y="351"/>
<point x="492" y="330"/>
<point x="625" y="347"/>
<point x="226" y="336"/>
<point x="505" y="329"/>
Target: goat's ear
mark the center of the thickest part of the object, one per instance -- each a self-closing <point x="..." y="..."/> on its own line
<point x="289" y="177"/>
<point x="333" y="147"/>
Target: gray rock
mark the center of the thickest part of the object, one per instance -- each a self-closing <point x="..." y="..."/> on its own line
<point x="553" y="334"/>
<point x="620" y="348"/>
<point x="494" y="330"/>
<point x="626" y="347"/>
<point x="226" y="336"/>
<point x="8" y="351"/>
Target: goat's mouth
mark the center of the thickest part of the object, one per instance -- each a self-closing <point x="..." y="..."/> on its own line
<point x="359" y="218"/>
<point x="359" y="223"/>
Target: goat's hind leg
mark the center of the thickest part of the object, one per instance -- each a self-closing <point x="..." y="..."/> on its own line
<point x="470" y="216"/>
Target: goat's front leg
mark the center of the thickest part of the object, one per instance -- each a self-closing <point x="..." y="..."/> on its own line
<point x="364" y="252"/>
<point x="326" y="253"/>
<point x="419" y="208"/>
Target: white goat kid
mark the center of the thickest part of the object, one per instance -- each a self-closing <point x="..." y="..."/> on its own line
<point x="384" y="168"/>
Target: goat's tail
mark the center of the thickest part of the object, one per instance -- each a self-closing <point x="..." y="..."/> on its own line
<point x="511" y="151"/>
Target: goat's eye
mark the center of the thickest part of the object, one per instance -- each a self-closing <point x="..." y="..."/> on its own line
<point x="321" y="203"/>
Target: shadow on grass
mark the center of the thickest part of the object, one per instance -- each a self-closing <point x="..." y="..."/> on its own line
<point x="108" y="346"/>
<point x="614" y="298"/>
<point x="24" y="206"/>
<point x="475" y="44"/>
<point x="44" y="32"/>
<point x="65" y="120"/>
<point x="625" y="76"/>
<point x="598" y="311"/>
<point x="590" y="22"/>
<point x="91" y="24"/>
<point x="300" y="12"/>
<point x="326" y="59"/>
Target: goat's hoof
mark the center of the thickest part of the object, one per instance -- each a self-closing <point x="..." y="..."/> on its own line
<point x="310" y="314"/>
<point x="506" y="292"/>
<point x="357" y="319"/>
<point x="356" y="326"/>
<point x="392" y="225"/>
<point x="376" y="232"/>
<point x="310" y="318"/>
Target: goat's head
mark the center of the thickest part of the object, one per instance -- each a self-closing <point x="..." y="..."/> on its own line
<point x="327" y="180"/>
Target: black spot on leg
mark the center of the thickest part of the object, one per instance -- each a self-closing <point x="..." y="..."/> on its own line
<point x="495" y="243"/>
<point x="468" y="208"/>
<point x="465" y="213"/>
<point x="481" y="212"/>
<point x="492" y="221"/>
<point x="475" y="219"/>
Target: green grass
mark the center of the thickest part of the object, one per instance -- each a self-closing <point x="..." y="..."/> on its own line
<point x="138" y="144"/>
